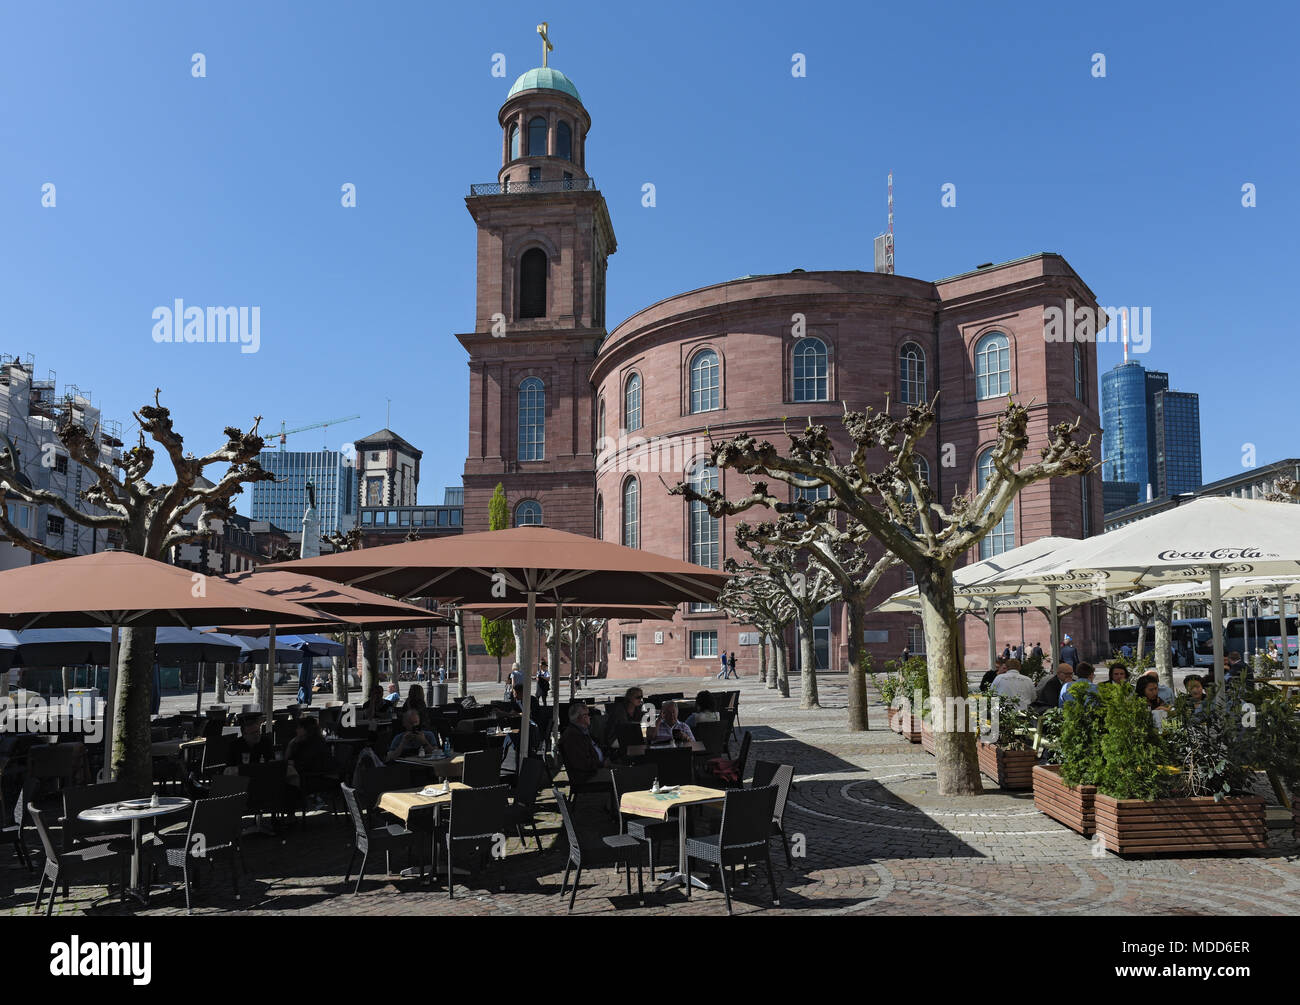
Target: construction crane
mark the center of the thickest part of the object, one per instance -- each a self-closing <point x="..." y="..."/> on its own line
<point x="315" y="425"/>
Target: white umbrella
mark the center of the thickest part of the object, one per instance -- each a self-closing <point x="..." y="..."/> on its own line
<point x="1206" y="538"/>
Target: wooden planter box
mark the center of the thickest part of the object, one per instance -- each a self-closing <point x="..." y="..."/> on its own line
<point x="1135" y="826"/>
<point x="1011" y="769"/>
<point x="896" y="719"/>
<point x="927" y="737"/>
<point x="912" y="728"/>
<point x="1070" y="805"/>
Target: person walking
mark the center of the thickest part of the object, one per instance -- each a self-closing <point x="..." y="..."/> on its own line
<point x="731" y="667"/>
<point x="722" y="674"/>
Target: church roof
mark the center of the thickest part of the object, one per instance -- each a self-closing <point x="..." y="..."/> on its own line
<point x="546" y="78"/>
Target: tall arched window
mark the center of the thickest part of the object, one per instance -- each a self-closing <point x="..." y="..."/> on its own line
<point x="537" y="137"/>
<point x="702" y="529"/>
<point x="631" y="514"/>
<point x="923" y="469"/>
<point x="600" y="426"/>
<point x="532" y="420"/>
<point x="528" y="514"/>
<point x="514" y="142"/>
<point x="810" y="370"/>
<point x="564" y="141"/>
<point x="1079" y="372"/>
<point x="992" y="366"/>
<point x="1002" y="537"/>
<point x="600" y="518"/>
<point x="704" y="381"/>
<point x="532" y="284"/>
<point x="911" y="374"/>
<point x="632" y="403"/>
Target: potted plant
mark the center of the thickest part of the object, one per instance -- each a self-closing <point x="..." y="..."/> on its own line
<point x="888" y="686"/>
<point x="1186" y="788"/>
<point x="901" y="693"/>
<point x="1065" y="787"/>
<point x="1009" y="758"/>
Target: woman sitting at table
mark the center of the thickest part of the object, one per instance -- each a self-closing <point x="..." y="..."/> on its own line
<point x="706" y="710"/>
<point x="1149" y="689"/>
<point x="413" y="739"/>
<point x="375" y="706"/>
<point x="668" y="727"/>
<point x="251" y="746"/>
<point x="1118" y="673"/>
<point x="415" y="703"/>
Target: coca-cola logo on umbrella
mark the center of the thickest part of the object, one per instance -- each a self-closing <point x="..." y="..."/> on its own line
<point x="1216" y="555"/>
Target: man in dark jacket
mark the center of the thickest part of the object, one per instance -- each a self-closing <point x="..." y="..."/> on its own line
<point x="1069" y="654"/>
<point x="584" y="761"/>
<point x="1049" y="692"/>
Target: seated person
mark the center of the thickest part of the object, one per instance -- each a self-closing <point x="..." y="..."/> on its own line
<point x="308" y="756"/>
<point x="1195" y="688"/>
<point x="1083" y="673"/>
<point x="1166" y="695"/>
<point x="1118" y="673"/>
<point x="1013" y="684"/>
<point x="706" y="710"/>
<point x="251" y="746"/>
<point x="626" y="710"/>
<point x="667" y="726"/>
<point x="1148" y="686"/>
<point x="583" y="758"/>
<point x="999" y="666"/>
<point x="1049" y="692"/>
<point x="412" y="740"/>
<point x="376" y="707"/>
<point x="393" y="695"/>
<point x="415" y="703"/>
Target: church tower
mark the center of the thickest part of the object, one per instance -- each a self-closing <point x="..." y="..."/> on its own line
<point x="544" y="237"/>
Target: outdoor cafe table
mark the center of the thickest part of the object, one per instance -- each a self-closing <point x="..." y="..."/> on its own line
<point x="645" y="803"/>
<point x="135" y="810"/>
<point x="1285" y="685"/>
<point x="400" y="802"/>
<point x="443" y="767"/>
<point x="635" y="750"/>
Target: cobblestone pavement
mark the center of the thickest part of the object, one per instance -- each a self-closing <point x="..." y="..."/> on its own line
<point x="871" y="836"/>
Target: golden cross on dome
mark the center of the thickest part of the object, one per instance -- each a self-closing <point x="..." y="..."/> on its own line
<point x="546" y="42"/>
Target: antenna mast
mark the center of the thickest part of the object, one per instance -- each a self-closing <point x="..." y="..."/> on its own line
<point x="889" y="237"/>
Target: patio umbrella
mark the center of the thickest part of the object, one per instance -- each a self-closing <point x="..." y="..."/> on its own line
<point x="1203" y="539"/>
<point x="520" y="566"/>
<point x="122" y="590"/>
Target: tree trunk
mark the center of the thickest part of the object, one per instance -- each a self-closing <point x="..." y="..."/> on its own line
<point x="132" y="760"/>
<point x="1142" y="639"/>
<point x="462" y="659"/>
<point x="857" y="678"/>
<point x="390" y="650"/>
<point x="1164" y="660"/>
<point x="341" y="670"/>
<point x="499" y="678"/>
<point x="67" y="681"/>
<point x="221" y="682"/>
<point x="778" y="670"/>
<point x="957" y="764"/>
<point x="369" y="664"/>
<point x="783" y="664"/>
<point x="807" y="664"/>
<point x="762" y="659"/>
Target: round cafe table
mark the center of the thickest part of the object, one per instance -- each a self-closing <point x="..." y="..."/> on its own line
<point x="136" y="811"/>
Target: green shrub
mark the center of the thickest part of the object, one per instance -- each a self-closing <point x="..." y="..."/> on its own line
<point x="1131" y="751"/>
<point x="1079" y="745"/>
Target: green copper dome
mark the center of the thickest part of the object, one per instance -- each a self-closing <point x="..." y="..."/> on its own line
<point x="547" y="78"/>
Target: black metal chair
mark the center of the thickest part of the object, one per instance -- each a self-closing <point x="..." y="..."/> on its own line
<point x="782" y="776"/>
<point x="744" y="838"/>
<point x="268" y="788"/>
<point x="384" y="839"/>
<point x="673" y="765"/>
<point x="78" y="832"/>
<point x="11" y="825"/>
<point x="55" y="767"/>
<point x="727" y="772"/>
<point x="215" y="828"/>
<point x="628" y="734"/>
<point x="482" y="769"/>
<point x="478" y="821"/>
<point x="63" y="870"/>
<point x="228" y="785"/>
<point x="713" y="735"/>
<point x="523" y="810"/>
<point x="613" y="849"/>
<point x="639" y="777"/>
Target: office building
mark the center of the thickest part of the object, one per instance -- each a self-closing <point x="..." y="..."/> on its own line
<point x="284" y="501"/>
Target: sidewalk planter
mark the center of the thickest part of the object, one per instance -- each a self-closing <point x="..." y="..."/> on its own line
<point x="1010" y="769"/>
<point x="927" y="738"/>
<point x="1136" y="826"/>
<point x="912" y="727"/>
<point x="896" y="719"/>
<point x="1067" y="804"/>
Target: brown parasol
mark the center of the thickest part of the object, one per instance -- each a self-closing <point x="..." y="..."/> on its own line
<point x="519" y="566"/>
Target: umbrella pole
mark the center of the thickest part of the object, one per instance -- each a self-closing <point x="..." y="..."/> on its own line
<point x="198" y="692"/>
<point x="268" y="697"/>
<point x="555" y="653"/>
<point x="993" y="644"/>
<point x="1056" y="627"/>
<point x="1216" y="624"/>
<point x="527" y="703"/>
<point x="1284" y="640"/>
<point x="106" y="772"/>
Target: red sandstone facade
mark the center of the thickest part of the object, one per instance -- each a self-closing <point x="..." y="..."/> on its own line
<point x="865" y="321"/>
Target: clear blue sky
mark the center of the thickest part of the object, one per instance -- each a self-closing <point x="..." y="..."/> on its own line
<point x="226" y="190"/>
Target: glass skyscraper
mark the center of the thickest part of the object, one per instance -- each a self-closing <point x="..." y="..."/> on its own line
<point x="1151" y="436"/>
<point x="284" y="501"/>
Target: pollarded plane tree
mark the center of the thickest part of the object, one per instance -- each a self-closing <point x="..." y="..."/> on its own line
<point x="880" y="488"/>
<point x="751" y="598"/>
<point x="149" y="521"/>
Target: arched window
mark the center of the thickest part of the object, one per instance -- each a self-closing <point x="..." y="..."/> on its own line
<point x="514" y="142"/>
<point x="702" y="529"/>
<point x="1079" y="372"/>
<point x="564" y="141"/>
<point x="704" y="381"/>
<point x="528" y="514"/>
<point x="923" y="469"/>
<point x="911" y="374"/>
<point x="631" y="514"/>
<point x="537" y="137"/>
<point x="600" y="518"/>
<point x="632" y="403"/>
<point x="810" y="370"/>
<point x="532" y="420"/>
<point x="992" y="366"/>
<point x="532" y="284"/>
<point x="1002" y="537"/>
<point x="600" y="427"/>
